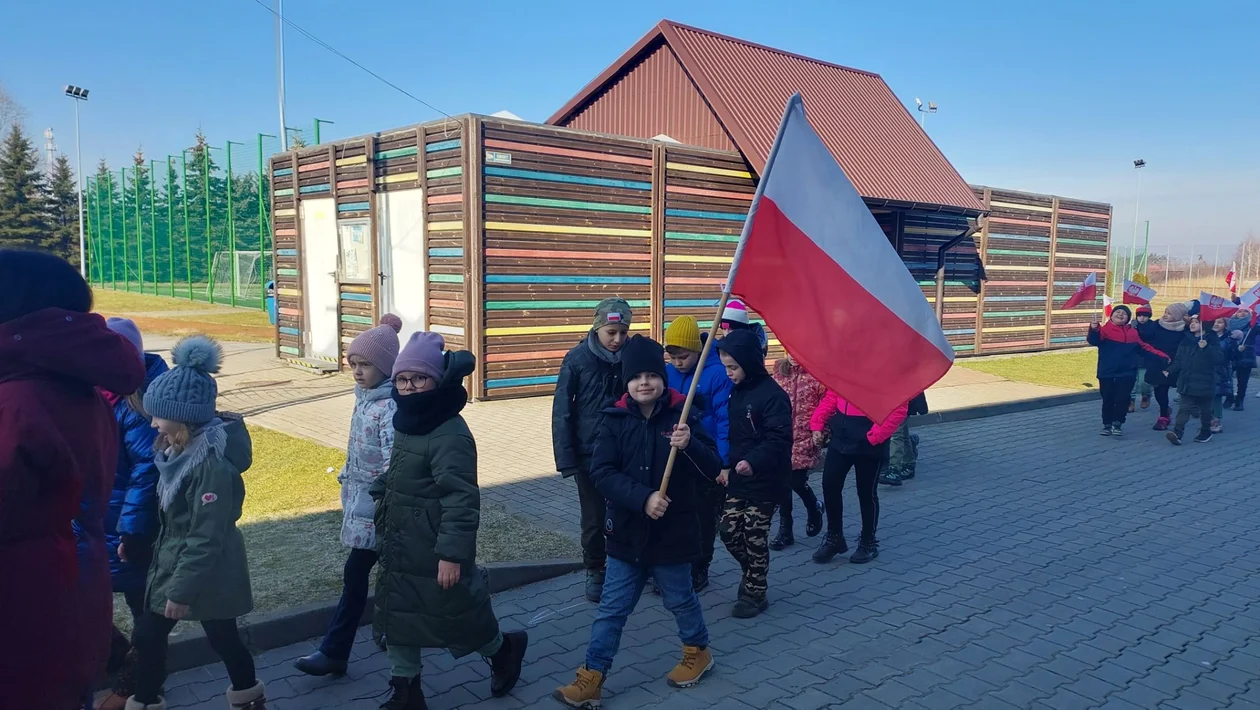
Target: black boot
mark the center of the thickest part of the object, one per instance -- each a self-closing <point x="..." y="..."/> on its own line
<point x="318" y="664"/>
<point x="505" y="666"/>
<point x="406" y="694"/>
<point x="784" y="538"/>
<point x="594" y="585"/>
<point x="833" y="544"/>
<point x="867" y="550"/>
<point x="814" y="519"/>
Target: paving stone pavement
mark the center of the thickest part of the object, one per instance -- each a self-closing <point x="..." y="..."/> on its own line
<point x="1032" y="564"/>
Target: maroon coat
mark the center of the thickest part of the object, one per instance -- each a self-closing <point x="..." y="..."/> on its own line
<point x="58" y="446"/>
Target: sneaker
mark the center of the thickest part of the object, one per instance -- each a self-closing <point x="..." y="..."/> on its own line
<point x="1161" y="424"/>
<point x="746" y="607"/>
<point x="890" y="477"/>
<point x="1216" y="427"/>
<point x="1238" y="406"/>
<point x="1146" y="401"/>
<point x="1106" y="430"/>
<point x="317" y="664"/>
<point x="783" y="539"/>
<point x="586" y="691"/>
<point x="505" y="666"/>
<point x="907" y="472"/>
<point x="695" y="663"/>
<point x="833" y="544"/>
<point x="1174" y="438"/>
<point x="814" y="520"/>
<point x="865" y="552"/>
<point x="1132" y="407"/>
<point x="699" y="577"/>
<point x="594" y="585"/>
<point x="1116" y="429"/>
<point x="1203" y="437"/>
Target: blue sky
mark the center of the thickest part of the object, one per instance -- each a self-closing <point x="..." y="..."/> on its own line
<point x="1051" y="97"/>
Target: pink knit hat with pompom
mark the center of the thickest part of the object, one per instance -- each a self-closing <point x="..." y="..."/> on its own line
<point x="379" y="345"/>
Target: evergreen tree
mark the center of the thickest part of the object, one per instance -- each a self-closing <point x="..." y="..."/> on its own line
<point x="63" y="211"/>
<point x="22" y="216"/>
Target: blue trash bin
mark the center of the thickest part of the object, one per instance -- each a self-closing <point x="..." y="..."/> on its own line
<point x="271" y="302"/>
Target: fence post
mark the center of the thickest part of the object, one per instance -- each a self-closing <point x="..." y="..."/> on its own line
<point x="231" y="229"/>
<point x="1167" y="266"/>
<point x="262" y="229"/>
<point x="183" y="167"/>
<point x="205" y="166"/>
<point x="113" y="256"/>
<point x="122" y="188"/>
<point x="170" y="224"/>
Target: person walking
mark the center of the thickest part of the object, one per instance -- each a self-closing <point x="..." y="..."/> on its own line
<point x="371" y="356"/>
<point x="589" y="381"/>
<point x="1224" y="394"/>
<point x="430" y="593"/>
<point x="804" y="393"/>
<point x="903" y="447"/>
<point x="860" y="444"/>
<point x="1242" y="328"/>
<point x="1194" y="371"/>
<point x="1119" y="351"/>
<point x="1141" y="388"/>
<point x="1165" y="335"/>
<point x="199" y="571"/>
<point x="58" y="449"/>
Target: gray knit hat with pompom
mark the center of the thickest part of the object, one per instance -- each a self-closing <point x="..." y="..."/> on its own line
<point x="187" y="393"/>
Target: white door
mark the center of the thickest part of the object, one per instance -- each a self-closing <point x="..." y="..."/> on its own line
<point x="401" y="239"/>
<point x="319" y="266"/>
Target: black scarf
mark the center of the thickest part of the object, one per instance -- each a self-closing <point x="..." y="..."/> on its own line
<point x="420" y="413"/>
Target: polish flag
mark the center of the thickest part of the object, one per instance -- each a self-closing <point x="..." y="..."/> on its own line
<point x="1137" y="293"/>
<point x="1231" y="279"/>
<point x="1087" y="291"/>
<point x="1106" y="306"/>
<point x="814" y="262"/>
<point x="1213" y="307"/>
<point x="1251" y="298"/>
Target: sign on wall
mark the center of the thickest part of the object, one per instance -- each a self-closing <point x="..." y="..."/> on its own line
<point x="356" y="251"/>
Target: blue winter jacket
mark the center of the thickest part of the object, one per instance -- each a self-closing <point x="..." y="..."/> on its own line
<point x="133" y="507"/>
<point x="712" y="395"/>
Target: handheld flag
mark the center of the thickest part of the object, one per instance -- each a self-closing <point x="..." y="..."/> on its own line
<point x="1231" y="279"/>
<point x="1137" y="293"/>
<point x="814" y="262"/>
<point x="1213" y="307"/>
<point x="1087" y="291"/>
<point x="1106" y="306"/>
<point x="1251" y="298"/>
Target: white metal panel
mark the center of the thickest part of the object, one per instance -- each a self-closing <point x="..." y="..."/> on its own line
<point x="401" y="234"/>
<point x="319" y="269"/>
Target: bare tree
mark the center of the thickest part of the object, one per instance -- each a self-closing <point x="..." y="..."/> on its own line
<point x="10" y="110"/>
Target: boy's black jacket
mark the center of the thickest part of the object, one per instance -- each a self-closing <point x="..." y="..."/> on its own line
<point x="1194" y="367"/>
<point x="627" y="466"/>
<point x="761" y="434"/>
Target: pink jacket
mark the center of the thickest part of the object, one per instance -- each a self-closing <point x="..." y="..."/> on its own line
<point x="833" y="403"/>
<point x="805" y="392"/>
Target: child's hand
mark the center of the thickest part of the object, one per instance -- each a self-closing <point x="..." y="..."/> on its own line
<point x="743" y="468"/>
<point x="681" y="437"/>
<point x="1093" y="323"/>
<point x="122" y="552"/>
<point x="656" y="505"/>
<point x="1202" y="344"/>
<point x="175" y="611"/>
<point x="724" y="476"/>
<point x="448" y="574"/>
<point x="818" y="438"/>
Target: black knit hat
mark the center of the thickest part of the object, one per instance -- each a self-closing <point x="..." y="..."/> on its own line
<point x="745" y="347"/>
<point x="641" y="354"/>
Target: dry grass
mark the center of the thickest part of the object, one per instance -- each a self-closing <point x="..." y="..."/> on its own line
<point x="174" y="316"/>
<point x="292" y="526"/>
<point x="1074" y="370"/>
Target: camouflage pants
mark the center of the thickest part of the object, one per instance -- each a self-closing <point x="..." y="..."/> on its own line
<point x="746" y="534"/>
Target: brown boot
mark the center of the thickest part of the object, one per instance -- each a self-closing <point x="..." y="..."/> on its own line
<point x="695" y="663"/>
<point x="113" y="701"/>
<point x="132" y="704"/>
<point x="254" y="698"/>
<point x="586" y="691"/>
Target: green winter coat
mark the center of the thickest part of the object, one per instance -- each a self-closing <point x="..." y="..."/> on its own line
<point x="1194" y="367"/>
<point x="428" y="509"/>
<point x="199" y="558"/>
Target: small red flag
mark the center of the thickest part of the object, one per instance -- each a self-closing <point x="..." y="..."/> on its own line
<point x="1087" y="291"/>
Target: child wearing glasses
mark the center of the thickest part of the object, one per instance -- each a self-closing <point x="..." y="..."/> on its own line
<point x="371" y="356"/>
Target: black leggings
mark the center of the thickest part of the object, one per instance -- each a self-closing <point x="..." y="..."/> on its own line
<point x="1242" y="374"/>
<point x="1161" y="396"/>
<point x="800" y="486"/>
<point x="835" y="471"/>
<point x="149" y="642"/>
<point x="1115" y="398"/>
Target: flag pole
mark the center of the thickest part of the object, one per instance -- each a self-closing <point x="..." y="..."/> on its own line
<point x="730" y="280"/>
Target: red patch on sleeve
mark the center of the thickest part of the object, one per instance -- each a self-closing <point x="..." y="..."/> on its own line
<point x="209" y="498"/>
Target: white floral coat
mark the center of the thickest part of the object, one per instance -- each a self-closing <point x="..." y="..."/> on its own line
<point x="367" y="456"/>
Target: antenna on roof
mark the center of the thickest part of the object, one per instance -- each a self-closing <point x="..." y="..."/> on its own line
<point x="924" y="111"/>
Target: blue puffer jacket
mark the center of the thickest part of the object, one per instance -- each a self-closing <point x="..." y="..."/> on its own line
<point x="712" y="395"/>
<point x="1225" y="368"/>
<point x="133" y="508"/>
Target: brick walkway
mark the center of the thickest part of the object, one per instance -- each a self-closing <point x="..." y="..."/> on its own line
<point x="1033" y="564"/>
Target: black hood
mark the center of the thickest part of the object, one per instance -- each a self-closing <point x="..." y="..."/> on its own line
<point x="745" y="347"/>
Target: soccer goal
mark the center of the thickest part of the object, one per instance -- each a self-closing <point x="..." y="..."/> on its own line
<point x="235" y="273"/>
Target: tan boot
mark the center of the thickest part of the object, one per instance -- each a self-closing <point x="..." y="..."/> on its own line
<point x="249" y="699"/>
<point x="111" y="701"/>
<point x="132" y="704"/>
<point x="695" y="663"/>
<point x="586" y="691"/>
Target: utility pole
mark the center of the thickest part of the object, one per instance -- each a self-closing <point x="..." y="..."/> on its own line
<point x="284" y="139"/>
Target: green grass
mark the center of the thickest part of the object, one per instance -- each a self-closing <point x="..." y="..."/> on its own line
<point x="112" y="302"/>
<point x="292" y="526"/>
<point x="1075" y="370"/>
<point x="162" y="315"/>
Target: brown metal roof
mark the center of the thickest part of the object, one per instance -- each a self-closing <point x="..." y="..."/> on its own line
<point x="872" y="135"/>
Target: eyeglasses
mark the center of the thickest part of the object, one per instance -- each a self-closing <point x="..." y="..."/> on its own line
<point x="414" y="382"/>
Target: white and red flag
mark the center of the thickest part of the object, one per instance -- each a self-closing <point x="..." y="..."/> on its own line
<point x="1213" y="307"/>
<point x="1137" y="293"/>
<point x="1231" y="279"/>
<point x="813" y="261"/>
<point x="1087" y="291"/>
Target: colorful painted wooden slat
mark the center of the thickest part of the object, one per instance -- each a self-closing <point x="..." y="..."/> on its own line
<point x="1020" y="237"/>
<point x="566" y="229"/>
<point x="960" y="331"/>
<point x="705" y="214"/>
<point x="1071" y="325"/>
<point x="1079" y="269"/>
<point x="521" y="357"/>
<point x="933" y="231"/>
<point x="552" y="329"/>
<point x="289" y="331"/>
<point x="445" y="226"/>
<point x="357" y="320"/>
<point x="695" y="281"/>
<point x="362" y="297"/>
<point x="439" y="146"/>
<point x="1022" y="284"/>
<point x="283" y="172"/>
<point x="1003" y="267"/>
<point x="1064" y="225"/>
<point x="1068" y="255"/>
<point x="1078" y="213"/>
<point x="396" y="153"/>
<point x="286" y="232"/>
<point x="1083" y="242"/>
<point x="446" y="251"/>
<point x="286" y="212"/>
<point x="563" y="279"/>
<point x="959" y="316"/>
<point x="690" y="303"/>
<point x="1017" y="206"/>
<point x="694" y="259"/>
<point x="289" y="350"/>
<point x="310" y="167"/>
<point x="443" y="199"/>
<point x="1018" y="252"/>
<point x="567" y="204"/>
<point x="1059" y="341"/>
<point x="353" y="160"/>
<point x="950" y="299"/>
<point x="446" y="278"/>
<point x="967" y="284"/>
<point x="1014" y="328"/>
<point x="286" y="252"/>
<point x="552" y="254"/>
<point x="701" y="192"/>
<point x="447" y="329"/>
<point x="310" y="189"/>
<point x="1017" y="344"/>
<point x="521" y="381"/>
<point x="963" y="348"/>
<point x="286" y="272"/>
<point x="1013" y="314"/>
<point x="353" y="207"/>
<point x="1021" y="222"/>
<point x="699" y="237"/>
<point x="352" y="184"/>
<point x="708" y="170"/>
<point x="443" y="172"/>
<point x="284" y="192"/>
<point x="1004" y="299"/>
<point x="568" y="305"/>
<point x="565" y="178"/>
<point x="567" y="152"/>
<point x="288" y="292"/>
<point x="397" y="178"/>
<point x="289" y="311"/>
<point x="444" y="303"/>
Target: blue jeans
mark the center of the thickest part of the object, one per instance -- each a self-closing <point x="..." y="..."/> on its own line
<point x="623" y="585"/>
<point x="354" y="594"/>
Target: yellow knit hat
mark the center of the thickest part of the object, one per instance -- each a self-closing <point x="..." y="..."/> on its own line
<point x="683" y="333"/>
